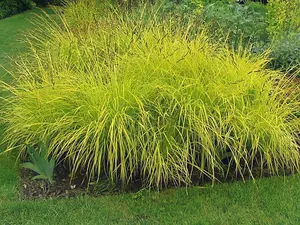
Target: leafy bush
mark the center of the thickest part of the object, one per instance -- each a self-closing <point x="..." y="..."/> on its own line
<point x="128" y="98"/>
<point x="187" y="7"/>
<point x="285" y="53"/>
<point x="51" y="2"/>
<point x="283" y="17"/>
<point x="283" y="27"/>
<point x="245" y="22"/>
<point x="11" y="7"/>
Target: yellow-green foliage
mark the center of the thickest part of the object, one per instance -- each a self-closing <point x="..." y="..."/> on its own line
<point x="283" y="16"/>
<point x="125" y="97"/>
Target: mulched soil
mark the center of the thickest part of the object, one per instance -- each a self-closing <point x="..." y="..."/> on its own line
<point x="63" y="186"/>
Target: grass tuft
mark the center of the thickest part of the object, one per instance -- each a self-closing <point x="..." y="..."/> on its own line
<point x="147" y="99"/>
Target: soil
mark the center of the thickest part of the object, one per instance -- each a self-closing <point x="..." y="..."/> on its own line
<point x="63" y="186"/>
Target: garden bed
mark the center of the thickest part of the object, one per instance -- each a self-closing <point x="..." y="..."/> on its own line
<point x="65" y="187"/>
<point x="146" y="104"/>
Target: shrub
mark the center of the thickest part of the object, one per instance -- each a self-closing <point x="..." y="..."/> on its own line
<point x="242" y="22"/>
<point x="11" y="7"/>
<point x="187" y="7"/>
<point x="51" y="2"/>
<point x="283" y="17"/>
<point x="285" y="53"/>
<point x="131" y="99"/>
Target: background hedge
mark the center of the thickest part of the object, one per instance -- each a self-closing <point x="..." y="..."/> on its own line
<point x="11" y="7"/>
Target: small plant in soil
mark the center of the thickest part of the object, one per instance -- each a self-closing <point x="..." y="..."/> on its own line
<point x="40" y="163"/>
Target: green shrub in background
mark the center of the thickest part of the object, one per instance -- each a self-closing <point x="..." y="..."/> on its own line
<point x="273" y="26"/>
<point x="240" y="22"/>
<point x="51" y="2"/>
<point x="126" y="98"/>
<point x="283" y="17"/>
<point x="283" y="26"/>
<point x="11" y="7"/>
<point x="184" y="7"/>
<point x="286" y="53"/>
<point x="228" y="20"/>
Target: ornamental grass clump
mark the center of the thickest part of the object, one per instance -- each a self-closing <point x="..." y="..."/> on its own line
<point x="130" y="99"/>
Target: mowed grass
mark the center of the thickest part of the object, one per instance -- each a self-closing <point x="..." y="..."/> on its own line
<point x="267" y="201"/>
<point x="11" y="31"/>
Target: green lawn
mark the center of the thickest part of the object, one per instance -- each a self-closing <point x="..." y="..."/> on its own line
<point x="267" y="201"/>
<point x="11" y="30"/>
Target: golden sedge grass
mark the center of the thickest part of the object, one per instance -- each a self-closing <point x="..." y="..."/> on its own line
<point x="141" y="98"/>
